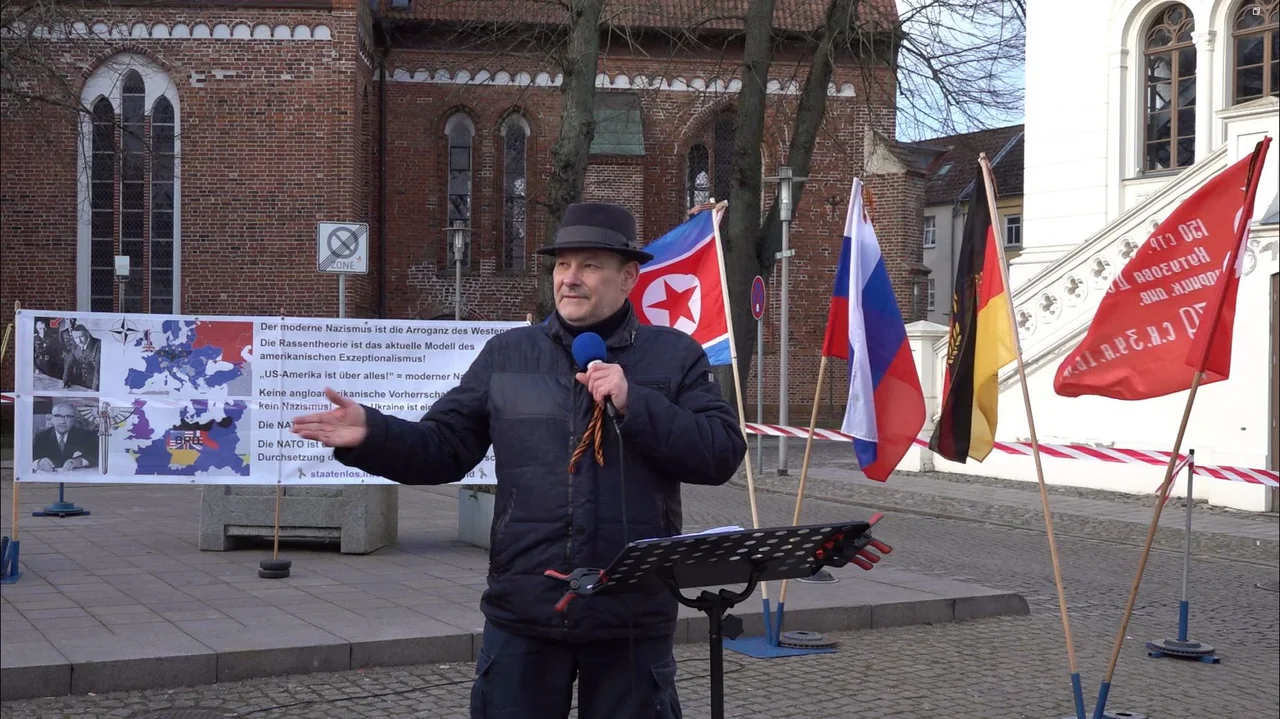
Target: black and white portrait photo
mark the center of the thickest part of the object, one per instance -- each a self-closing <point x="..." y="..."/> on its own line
<point x="64" y="434"/>
<point x="67" y="355"/>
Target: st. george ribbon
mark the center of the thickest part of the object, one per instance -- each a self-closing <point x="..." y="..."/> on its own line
<point x="588" y="348"/>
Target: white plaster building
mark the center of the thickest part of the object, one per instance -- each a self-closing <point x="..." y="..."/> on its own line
<point x="1130" y="106"/>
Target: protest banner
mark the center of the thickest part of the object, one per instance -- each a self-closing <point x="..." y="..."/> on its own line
<point x="172" y="399"/>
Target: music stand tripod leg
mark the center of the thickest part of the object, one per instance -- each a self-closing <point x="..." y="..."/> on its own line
<point x="720" y="623"/>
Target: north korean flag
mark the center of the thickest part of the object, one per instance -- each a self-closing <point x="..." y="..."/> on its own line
<point x="681" y="286"/>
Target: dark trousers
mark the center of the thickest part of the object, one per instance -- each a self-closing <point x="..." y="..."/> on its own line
<point x="528" y="678"/>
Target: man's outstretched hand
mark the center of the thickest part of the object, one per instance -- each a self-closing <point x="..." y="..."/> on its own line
<point x="343" y="426"/>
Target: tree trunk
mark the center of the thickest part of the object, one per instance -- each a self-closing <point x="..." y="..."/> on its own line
<point x="752" y="244"/>
<point x="742" y="220"/>
<point x="810" y="112"/>
<point x="572" y="148"/>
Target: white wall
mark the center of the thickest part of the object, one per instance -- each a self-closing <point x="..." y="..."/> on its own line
<point x="1084" y="114"/>
<point x="1064" y="181"/>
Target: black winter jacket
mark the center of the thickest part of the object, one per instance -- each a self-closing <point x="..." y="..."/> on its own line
<point x="520" y="395"/>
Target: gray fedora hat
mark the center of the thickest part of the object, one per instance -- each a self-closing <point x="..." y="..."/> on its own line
<point x="598" y="226"/>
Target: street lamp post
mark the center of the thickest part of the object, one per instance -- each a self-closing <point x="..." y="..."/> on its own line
<point x="458" y="239"/>
<point x="785" y="208"/>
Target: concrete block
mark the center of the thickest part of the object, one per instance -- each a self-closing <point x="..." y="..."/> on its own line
<point x="1004" y="604"/>
<point x="31" y="667"/>
<point x="399" y="651"/>
<point x="161" y="672"/>
<point x="362" y="517"/>
<point x="912" y="611"/>
<point x="30" y="682"/>
<point x="254" y="663"/>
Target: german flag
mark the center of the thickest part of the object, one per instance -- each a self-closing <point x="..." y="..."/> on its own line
<point x="980" y="343"/>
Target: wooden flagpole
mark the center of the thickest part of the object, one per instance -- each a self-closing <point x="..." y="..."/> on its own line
<point x="808" y="449"/>
<point x="14" y="544"/>
<point x="718" y="211"/>
<point x="804" y="474"/>
<point x="1076" y="690"/>
<point x="1251" y="190"/>
<point x="1162" y="496"/>
<point x="4" y="347"/>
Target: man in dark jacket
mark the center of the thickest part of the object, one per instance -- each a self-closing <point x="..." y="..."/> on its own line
<point x="525" y="396"/>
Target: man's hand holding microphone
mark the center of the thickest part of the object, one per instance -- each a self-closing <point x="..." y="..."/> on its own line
<point x="604" y="380"/>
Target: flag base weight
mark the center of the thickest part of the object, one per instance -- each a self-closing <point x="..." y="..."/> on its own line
<point x="1182" y="650"/>
<point x="822" y="576"/>
<point x="762" y="647"/>
<point x="274" y="568"/>
<point x="805" y="640"/>
<point x="61" y="510"/>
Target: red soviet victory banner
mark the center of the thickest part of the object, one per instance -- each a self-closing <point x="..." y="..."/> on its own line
<point x="1211" y="349"/>
<point x="1138" y="343"/>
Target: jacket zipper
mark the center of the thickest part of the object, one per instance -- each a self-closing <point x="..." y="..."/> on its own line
<point x="573" y="444"/>
<point x="568" y="547"/>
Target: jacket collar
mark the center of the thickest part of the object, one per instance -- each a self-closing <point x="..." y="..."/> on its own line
<point x="623" y="336"/>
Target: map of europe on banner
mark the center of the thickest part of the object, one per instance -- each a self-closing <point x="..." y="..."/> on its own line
<point x="156" y="399"/>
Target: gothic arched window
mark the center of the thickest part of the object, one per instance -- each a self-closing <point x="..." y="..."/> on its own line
<point x="130" y="195"/>
<point x="709" y="160"/>
<point x="459" y="132"/>
<point x="1170" y="112"/>
<point x="515" y="191"/>
<point x="698" y="176"/>
<point x="1256" y="60"/>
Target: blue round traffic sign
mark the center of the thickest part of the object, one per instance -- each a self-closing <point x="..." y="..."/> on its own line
<point x="757" y="297"/>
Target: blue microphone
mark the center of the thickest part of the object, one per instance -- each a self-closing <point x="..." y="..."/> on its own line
<point x="589" y="348"/>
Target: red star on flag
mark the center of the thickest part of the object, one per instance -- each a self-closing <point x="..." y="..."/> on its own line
<point x="676" y="303"/>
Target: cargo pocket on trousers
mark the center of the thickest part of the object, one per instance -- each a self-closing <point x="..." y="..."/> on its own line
<point x="666" y="700"/>
<point x="480" y="687"/>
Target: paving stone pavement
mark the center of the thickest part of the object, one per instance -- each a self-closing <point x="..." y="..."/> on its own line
<point x="1009" y="667"/>
<point x="1111" y="516"/>
<point x="122" y="599"/>
<point x="1012" y="668"/>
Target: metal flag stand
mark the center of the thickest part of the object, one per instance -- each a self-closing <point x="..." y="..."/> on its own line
<point x="10" y="565"/>
<point x="1183" y="648"/>
<point x="61" y="508"/>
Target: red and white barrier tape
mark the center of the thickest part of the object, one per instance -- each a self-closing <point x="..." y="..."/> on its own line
<point x="1059" y="451"/>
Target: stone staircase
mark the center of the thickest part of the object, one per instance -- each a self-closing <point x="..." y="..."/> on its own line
<point x="1053" y="309"/>
<point x="1055" y="299"/>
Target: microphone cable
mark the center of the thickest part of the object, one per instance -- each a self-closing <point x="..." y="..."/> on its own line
<point x="626" y="539"/>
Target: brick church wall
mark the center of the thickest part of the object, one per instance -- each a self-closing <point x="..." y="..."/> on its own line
<point x="268" y="147"/>
<point x="278" y="135"/>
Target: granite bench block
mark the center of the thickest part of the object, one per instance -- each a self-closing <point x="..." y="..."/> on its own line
<point x="362" y="518"/>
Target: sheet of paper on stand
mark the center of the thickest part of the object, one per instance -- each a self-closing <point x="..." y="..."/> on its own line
<point x="716" y="530"/>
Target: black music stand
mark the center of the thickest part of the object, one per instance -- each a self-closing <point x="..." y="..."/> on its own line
<point x="747" y="556"/>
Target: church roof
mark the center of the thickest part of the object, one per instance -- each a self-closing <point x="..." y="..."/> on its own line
<point x="789" y="15"/>
<point x="952" y="173"/>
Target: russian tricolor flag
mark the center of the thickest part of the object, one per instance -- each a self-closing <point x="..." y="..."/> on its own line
<point x="885" y="410"/>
